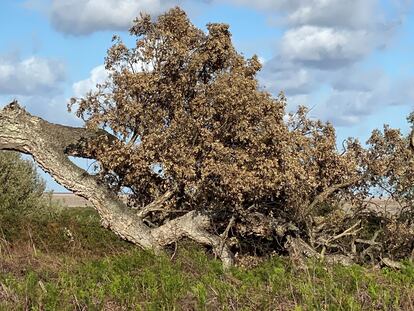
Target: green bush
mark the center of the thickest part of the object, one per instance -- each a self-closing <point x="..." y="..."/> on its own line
<point x="21" y="188"/>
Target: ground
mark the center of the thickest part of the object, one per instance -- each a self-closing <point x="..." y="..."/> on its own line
<point x="65" y="261"/>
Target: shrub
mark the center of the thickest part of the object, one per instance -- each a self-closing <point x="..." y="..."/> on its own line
<point x="21" y="188"/>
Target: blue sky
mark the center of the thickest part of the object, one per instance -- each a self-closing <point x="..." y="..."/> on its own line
<point x="351" y="61"/>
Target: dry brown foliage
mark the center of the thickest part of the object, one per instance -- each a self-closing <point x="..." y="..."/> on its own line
<point x="196" y="130"/>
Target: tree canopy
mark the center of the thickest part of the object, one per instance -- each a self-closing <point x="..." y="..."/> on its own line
<point x="192" y="119"/>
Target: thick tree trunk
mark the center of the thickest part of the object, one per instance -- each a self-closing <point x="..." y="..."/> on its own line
<point x="51" y="144"/>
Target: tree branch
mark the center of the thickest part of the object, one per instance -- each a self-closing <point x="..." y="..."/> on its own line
<point x="328" y="191"/>
<point x="155" y="206"/>
<point x="51" y="144"/>
<point x="193" y="225"/>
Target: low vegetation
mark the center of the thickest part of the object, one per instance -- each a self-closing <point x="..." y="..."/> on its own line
<point x="67" y="261"/>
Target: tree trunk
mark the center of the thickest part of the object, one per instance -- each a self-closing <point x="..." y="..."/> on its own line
<point x="51" y="144"/>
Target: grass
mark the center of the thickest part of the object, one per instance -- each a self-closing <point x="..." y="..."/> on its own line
<point x="66" y="261"/>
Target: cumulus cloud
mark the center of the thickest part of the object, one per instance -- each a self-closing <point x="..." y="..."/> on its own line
<point x="354" y="14"/>
<point x="277" y="74"/>
<point x="347" y="107"/>
<point x="324" y="47"/>
<point x="329" y="33"/>
<point x="356" y="93"/>
<point x="327" y="13"/>
<point x="97" y="76"/>
<point x="354" y="78"/>
<point x="37" y="83"/>
<point x="322" y="50"/>
<point x="31" y="76"/>
<point x="79" y="17"/>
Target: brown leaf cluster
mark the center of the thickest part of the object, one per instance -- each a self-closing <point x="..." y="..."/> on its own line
<point x="191" y="118"/>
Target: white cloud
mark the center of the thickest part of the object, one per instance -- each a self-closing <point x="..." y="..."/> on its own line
<point x="97" y="76"/>
<point x="337" y="13"/>
<point x="30" y="76"/>
<point x="278" y="74"/>
<point x="356" y="93"/>
<point x="321" y="53"/>
<point x="334" y="13"/>
<point x="348" y="107"/>
<point x="52" y="108"/>
<point x="329" y="34"/>
<point x="79" y="17"/>
<point x="262" y="60"/>
<point x="353" y="78"/>
<point x="294" y="101"/>
<point x="325" y="47"/>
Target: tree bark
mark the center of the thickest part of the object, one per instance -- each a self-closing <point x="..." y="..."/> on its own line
<point x="51" y="144"/>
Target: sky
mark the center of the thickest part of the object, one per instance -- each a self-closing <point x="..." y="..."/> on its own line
<point x="350" y="61"/>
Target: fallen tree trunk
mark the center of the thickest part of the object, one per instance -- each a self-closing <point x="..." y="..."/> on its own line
<point x="51" y="144"/>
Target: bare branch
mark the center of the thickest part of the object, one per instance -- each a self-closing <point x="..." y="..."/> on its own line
<point x="328" y="191"/>
<point x="156" y="205"/>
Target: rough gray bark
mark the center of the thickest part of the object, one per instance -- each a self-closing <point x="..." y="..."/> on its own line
<point x="51" y="144"/>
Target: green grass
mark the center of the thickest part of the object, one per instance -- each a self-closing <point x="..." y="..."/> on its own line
<point x="66" y="261"/>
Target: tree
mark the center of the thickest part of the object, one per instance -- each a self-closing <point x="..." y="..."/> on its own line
<point x="205" y="153"/>
<point x="194" y="127"/>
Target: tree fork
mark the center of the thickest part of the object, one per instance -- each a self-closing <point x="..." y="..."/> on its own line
<point x="51" y="144"/>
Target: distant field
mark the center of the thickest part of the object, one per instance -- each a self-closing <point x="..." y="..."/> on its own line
<point x="69" y="200"/>
<point x="386" y="206"/>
